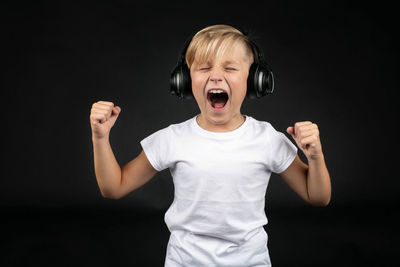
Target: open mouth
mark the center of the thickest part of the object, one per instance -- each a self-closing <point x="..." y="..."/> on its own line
<point x="217" y="98"/>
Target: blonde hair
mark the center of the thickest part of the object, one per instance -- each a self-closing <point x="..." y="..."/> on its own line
<point x="212" y="41"/>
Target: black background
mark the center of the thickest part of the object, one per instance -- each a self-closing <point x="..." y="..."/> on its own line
<point x="335" y="64"/>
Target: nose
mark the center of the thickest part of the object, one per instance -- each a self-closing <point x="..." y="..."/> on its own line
<point x="216" y="76"/>
<point x="215" y="79"/>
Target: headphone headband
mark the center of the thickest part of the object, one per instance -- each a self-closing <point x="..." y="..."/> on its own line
<point x="181" y="59"/>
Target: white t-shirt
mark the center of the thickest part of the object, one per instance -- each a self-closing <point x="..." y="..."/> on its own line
<point x="220" y="182"/>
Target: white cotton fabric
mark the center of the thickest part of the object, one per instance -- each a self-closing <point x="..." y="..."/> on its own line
<point x="220" y="181"/>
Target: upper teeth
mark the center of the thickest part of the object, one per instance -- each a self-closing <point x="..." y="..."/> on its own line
<point x="216" y="91"/>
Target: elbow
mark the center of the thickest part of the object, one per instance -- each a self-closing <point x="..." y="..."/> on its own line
<point x="320" y="202"/>
<point x="109" y="194"/>
<point x="320" y="199"/>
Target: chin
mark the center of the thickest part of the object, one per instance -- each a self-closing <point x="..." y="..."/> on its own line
<point x="219" y="119"/>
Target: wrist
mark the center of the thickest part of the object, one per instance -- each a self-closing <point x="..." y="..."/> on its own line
<point x="316" y="158"/>
<point x="98" y="140"/>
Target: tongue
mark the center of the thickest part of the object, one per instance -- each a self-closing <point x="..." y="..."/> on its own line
<point x="219" y="105"/>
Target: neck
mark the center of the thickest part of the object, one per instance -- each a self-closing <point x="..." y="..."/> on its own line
<point x="228" y="126"/>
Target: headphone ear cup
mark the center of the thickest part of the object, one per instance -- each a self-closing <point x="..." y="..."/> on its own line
<point x="260" y="81"/>
<point x="180" y="82"/>
<point x="187" y="83"/>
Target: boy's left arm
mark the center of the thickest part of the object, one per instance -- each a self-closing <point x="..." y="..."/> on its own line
<point x="311" y="182"/>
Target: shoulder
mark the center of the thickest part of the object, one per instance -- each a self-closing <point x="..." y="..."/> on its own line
<point x="174" y="130"/>
<point x="181" y="128"/>
<point x="265" y="131"/>
<point x="164" y="138"/>
<point x="260" y="127"/>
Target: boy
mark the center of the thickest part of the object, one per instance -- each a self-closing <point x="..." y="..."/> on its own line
<point x="220" y="160"/>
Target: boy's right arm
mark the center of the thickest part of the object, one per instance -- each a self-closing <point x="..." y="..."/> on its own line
<point x="113" y="181"/>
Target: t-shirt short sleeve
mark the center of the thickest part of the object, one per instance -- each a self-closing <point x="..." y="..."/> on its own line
<point x="157" y="147"/>
<point x="283" y="151"/>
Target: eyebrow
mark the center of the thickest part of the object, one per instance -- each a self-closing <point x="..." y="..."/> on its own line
<point x="230" y="62"/>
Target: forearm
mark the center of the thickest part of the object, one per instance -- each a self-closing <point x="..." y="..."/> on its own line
<point x="318" y="182"/>
<point x="107" y="169"/>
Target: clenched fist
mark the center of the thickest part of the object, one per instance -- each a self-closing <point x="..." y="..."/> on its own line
<point x="102" y="118"/>
<point x="306" y="135"/>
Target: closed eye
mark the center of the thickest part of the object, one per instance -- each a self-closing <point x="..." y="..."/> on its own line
<point x="204" y="67"/>
<point x="230" y="69"/>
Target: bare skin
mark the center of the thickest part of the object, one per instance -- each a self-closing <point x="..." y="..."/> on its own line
<point x="114" y="182"/>
<point x="312" y="182"/>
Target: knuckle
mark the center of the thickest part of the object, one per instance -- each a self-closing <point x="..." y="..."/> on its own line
<point x="109" y="103"/>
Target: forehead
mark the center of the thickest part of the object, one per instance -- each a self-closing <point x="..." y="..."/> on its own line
<point x="228" y="51"/>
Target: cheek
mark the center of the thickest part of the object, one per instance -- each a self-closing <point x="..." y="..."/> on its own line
<point x="197" y="86"/>
<point x="240" y="84"/>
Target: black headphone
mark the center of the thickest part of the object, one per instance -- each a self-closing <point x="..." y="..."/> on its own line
<point x="260" y="81"/>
